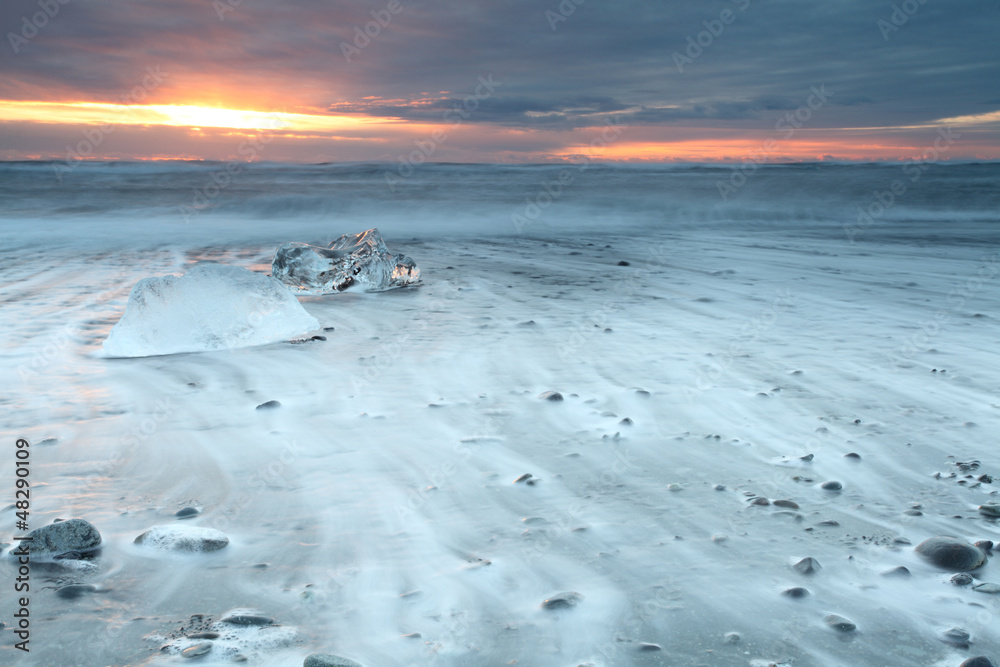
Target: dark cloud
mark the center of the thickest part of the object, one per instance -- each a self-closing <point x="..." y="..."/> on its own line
<point x="722" y="63"/>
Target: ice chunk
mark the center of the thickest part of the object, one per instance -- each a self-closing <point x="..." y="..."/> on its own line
<point x="360" y="259"/>
<point x="211" y="307"/>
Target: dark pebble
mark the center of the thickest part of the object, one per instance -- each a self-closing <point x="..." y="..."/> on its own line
<point x="248" y="619"/>
<point x="962" y="579"/>
<point x="951" y="554"/>
<point x="796" y="592"/>
<point x="985" y="545"/>
<point x="760" y="500"/>
<point x="956" y="637"/>
<point x="853" y="455"/>
<point x="829" y="522"/>
<point x="839" y="623"/>
<point x="832" y="485"/>
<point x="329" y="328"/>
<point x="808" y="566"/>
<point x="327" y="660"/>
<point x="978" y="661"/>
<point x="562" y="600"/>
<point x="990" y="509"/>
<point x="319" y="337"/>
<point x="270" y="405"/>
<point x="644" y="646"/>
<point x="74" y="591"/>
<point x="204" y="635"/>
<point x="197" y="650"/>
<point x="523" y="478"/>
<point x="626" y="422"/>
<point x="551" y="396"/>
<point x="786" y="503"/>
<point x="913" y="513"/>
<point x="186" y="513"/>
<point x="623" y="263"/>
<point x="897" y="573"/>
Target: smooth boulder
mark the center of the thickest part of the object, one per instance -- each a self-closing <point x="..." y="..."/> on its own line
<point x="63" y="539"/>
<point x="951" y="554"/>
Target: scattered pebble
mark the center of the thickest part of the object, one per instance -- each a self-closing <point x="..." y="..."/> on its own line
<point x="832" y="485"/>
<point x="269" y="405"/>
<point x="951" y="554"/>
<point x="786" y="503"/>
<point x="247" y="619"/>
<point x="962" y="579"/>
<point x="978" y="661"/>
<point x="853" y="455"/>
<point x="74" y="591"/>
<point x="197" y="650"/>
<point x="551" y="396"/>
<point x="839" y="623"/>
<point x="327" y="660"/>
<point x="985" y="545"/>
<point x="808" y="566"/>
<point x="626" y="422"/>
<point x="187" y="513"/>
<point x="956" y="637"/>
<point x="63" y="539"/>
<point x="760" y="500"/>
<point x="990" y="509"/>
<point x="523" y="478"/>
<point x="623" y="263"/>
<point x="562" y="600"/>
<point x="183" y="538"/>
<point x="674" y="486"/>
<point x="796" y="592"/>
<point x="988" y="588"/>
<point x="897" y="573"/>
<point x="732" y="638"/>
<point x="645" y="646"/>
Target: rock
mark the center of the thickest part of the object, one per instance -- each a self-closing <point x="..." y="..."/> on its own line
<point x="991" y="589"/>
<point x="523" y="478"/>
<point x="562" y="600"/>
<point x="187" y="513"/>
<point x="247" y="619"/>
<point x="990" y="509"/>
<point x="74" y="591"/>
<point x="853" y="455"/>
<point x="203" y="635"/>
<point x="269" y="405"/>
<point x="327" y="660"/>
<point x="897" y="573"/>
<point x="732" y="638"/>
<point x="962" y="579"/>
<point x="211" y="307"/>
<point x="796" y="592"/>
<point x="956" y="637"/>
<point x="951" y="554"/>
<point x="183" y="538"/>
<point x="645" y="646"/>
<point x="985" y="545"/>
<point x="623" y="263"/>
<point x="551" y="396"/>
<point x="786" y="503"/>
<point x="832" y="485"/>
<point x="353" y="259"/>
<point x="839" y="623"/>
<point x="808" y="566"/>
<point x="760" y="500"/>
<point x="65" y="538"/>
<point x="978" y="661"/>
<point x="197" y="650"/>
<point x="627" y="421"/>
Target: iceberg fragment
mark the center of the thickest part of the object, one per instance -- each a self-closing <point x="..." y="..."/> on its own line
<point x="353" y="259"/>
<point x="211" y="307"/>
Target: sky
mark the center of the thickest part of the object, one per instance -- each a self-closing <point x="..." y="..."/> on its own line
<point x="500" y="80"/>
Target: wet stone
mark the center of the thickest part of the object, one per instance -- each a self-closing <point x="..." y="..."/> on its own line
<point x="985" y="545"/>
<point x="760" y="500"/>
<point x="990" y="509"/>
<point x="327" y="660"/>
<point x="562" y="600"/>
<point x="962" y="579"/>
<point x="832" y="485"/>
<point x="988" y="588"/>
<point x="839" y="623"/>
<point x="646" y="646"/>
<point x="74" y="591"/>
<point x="786" y="503"/>
<point x="187" y="513"/>
<point x="951" y="554"/>
<point x="269" y="405"/>
<point x="853" y="455"/>
<point x="897" y="573"/>
<point x="732" y="638"/>
<point x="956" y="637"/>
<point x="247" y="619"/>
<point x="978" y="661"/>
<point x="197" y="650"/>
<point x="551" y="396"/>
<point x="63" y="538"/>
<point x="808" y="566"/>
<point x="797" y="592"/>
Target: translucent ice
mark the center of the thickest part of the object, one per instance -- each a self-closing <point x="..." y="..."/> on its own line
<point x="211" y="307"/>
<point x="360" y="259"/>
